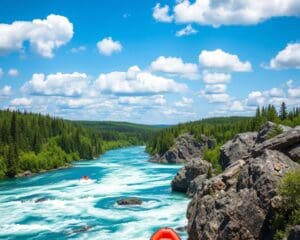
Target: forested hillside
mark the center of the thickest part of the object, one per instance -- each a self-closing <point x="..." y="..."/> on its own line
<point x="131" y="132"/>
<point x="224" y="128"/>
<point x="35" y="142"/>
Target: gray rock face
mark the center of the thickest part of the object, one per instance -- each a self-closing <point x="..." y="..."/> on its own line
<point x="284" y="142"/>
<point x="237" y="148"/>
<point x="266" y="129"/>
<point x="294" y="233"/>
<point x="196" y="168"/>
<point x="236" y="203"/>
<point x="184" y="149"/>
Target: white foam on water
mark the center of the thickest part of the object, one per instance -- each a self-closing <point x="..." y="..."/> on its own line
<point x="73" y="203"/>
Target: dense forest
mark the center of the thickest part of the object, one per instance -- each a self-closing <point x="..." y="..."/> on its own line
<point x="135" y="134"/>
<point x="223" y="129"/>
<point x="33" y="142"/>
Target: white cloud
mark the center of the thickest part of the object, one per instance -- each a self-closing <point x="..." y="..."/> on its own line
<point x="78" y="49"/>
<point x="275" y="92"/>
<point x="13" y="72"/>
<point x="218" y="59"/>
<point x="142" y="100"/>
<point x="236" y="106"/>
<point x="255" y="98"/>
<point x="289" y="83"/>
<point x="160" y="100"/>
<point x="107" y="46"/>
<point x="294" y="92"/>
<point x="44" y="36"/>
<point x="184" y="102"/>
<point x="1" y="73"/>
<point x="233" y="12"/>
<point x="136" y="82"/>
<point x="176" y="66"/>
<point x="215" y="88"/>
<point x="287" y="58"/>
<point x="216" y="98"/>
<point x="213" y="78"/>
<point x="161" y="14"/>
<point x="24" y="102"/>
<point x="59" y="84"/>
<point x="6" y="91"/>
<point x="188" y="30"/>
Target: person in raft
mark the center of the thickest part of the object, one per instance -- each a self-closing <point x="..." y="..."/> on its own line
<point x="165" y="234"/>
<point x="85" y="178"/>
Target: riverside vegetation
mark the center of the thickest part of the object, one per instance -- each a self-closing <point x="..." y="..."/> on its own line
<point x="33" y="142"/>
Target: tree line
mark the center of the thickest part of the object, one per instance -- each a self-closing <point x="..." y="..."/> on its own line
<point x="35" y="142"/>
<point x="224" y="128"/>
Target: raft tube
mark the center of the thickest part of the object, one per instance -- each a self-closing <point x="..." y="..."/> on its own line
<point x="165" y="234"/>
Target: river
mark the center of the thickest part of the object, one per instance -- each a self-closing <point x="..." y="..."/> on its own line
<point x="70" y="208"/>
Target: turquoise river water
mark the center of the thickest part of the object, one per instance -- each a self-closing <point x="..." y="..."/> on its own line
<point x="86" y="209"/>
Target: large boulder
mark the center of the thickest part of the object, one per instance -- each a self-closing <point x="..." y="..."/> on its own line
<point x="237" y="148"/>
<point x="184" y="149"/>
<point x="196" y="168"/>
<point x="266" y="129"/>
<point x="237" y="203"/>
<point x="286" y="142"/>
<point x="130" y="201"/>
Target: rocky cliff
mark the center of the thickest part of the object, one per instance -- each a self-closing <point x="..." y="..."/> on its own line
<point x="240" y="202"/>
<point x="184" y="149"/>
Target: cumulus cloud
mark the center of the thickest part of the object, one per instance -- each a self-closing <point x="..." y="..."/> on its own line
<point x="237" y="12"/>
<point x="44" y="36"/>
<point x="275" y="92"/>
<point x="136" y="82"/>
<point x="216" y="98"/>
<point x="107" y="46"/>
<point x="184" y="102"/>
<point x="287" y="58"/>
<point x="6" y="91"/>
<point x="78" y="49"/>
<point x="236" y="106"/>
<point x="21" y="102"/>
<point x="161" y="14"/>
<point x="213" y="78"/>
<point x="294" y="92"/>
<point x="59" y="84"/>
<point x="176" y="66"/>
<point x="215" y="88"/>
<point x="13" y="72"/>
<point x="142" y="100"/>
<point x="188" y="30"/>
<point x="255" y="98"/>
<point x="218" y="59"/>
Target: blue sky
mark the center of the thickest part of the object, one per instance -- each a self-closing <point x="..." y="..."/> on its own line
<point x="133" y="60"/>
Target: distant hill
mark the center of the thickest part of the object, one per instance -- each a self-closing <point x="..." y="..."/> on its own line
<point x="131" y="132"/>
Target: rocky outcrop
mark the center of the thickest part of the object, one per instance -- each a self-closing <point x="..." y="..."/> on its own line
<point x="286" y="142"/>
<point x="129" y="201"/>
<point x="294" y="233"/>
<point x="190" y="176"/>
<point x="236" y="204"/>
<point x="237" y="148"/>
<point x="240" y="202"/>
<point x="267" y="128"/>
<point x="185" y="148"/>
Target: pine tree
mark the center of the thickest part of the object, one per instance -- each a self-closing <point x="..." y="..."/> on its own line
<point x="283" y="111"/>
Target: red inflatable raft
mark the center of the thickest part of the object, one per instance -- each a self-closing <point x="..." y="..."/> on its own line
<point x="165" y="234"/>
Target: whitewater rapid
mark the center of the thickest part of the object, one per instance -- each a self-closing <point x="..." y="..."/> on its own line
<point x="76" y="209"/>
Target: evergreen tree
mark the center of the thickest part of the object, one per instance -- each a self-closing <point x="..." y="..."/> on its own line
<point x="283" y="112"/>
